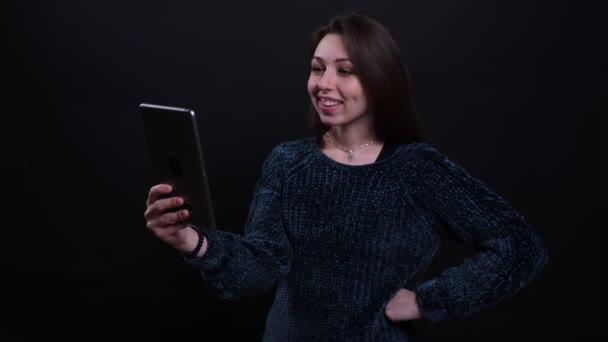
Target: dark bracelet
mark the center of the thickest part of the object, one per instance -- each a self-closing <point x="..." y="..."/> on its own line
<point x="201" y="237"/>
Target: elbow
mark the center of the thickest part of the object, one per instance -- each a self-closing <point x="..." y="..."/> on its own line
<point x="541" y="254"/>
<point x="535" y="257"/>
<point x="524" y="257"/>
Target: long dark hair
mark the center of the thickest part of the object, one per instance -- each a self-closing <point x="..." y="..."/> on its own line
<point x="381" y="68"/>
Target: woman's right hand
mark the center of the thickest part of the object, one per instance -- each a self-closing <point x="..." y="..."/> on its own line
<point x="166" y="222"/>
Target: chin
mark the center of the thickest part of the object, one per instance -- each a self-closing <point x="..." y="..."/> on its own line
<point x="333" y="120"/>
<point x="330" y="122"/>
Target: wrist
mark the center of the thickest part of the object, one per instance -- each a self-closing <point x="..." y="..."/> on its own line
<point x="201" y="241"/>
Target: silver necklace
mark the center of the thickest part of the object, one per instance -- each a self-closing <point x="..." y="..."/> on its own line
<point x="350" y="155"/>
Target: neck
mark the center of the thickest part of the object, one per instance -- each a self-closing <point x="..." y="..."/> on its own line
<point x="351" y="137"/>
<point x="364" y="146"/>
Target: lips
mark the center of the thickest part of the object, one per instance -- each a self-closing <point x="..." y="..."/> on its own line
<point x="329" y="105"/>
<point x="326" y="102"/>
<point x="329" y="101"/>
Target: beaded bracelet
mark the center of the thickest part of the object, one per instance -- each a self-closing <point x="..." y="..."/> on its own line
<point x="201" y="237"/>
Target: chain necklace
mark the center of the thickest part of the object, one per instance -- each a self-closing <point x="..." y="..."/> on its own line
<point x="350" y="155"/>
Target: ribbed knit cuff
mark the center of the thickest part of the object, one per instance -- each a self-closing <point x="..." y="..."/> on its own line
<point x="431" y="300"/>
<point x="210" y="261"/>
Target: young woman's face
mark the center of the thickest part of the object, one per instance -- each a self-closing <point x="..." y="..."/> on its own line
<point x="334" y="87"/>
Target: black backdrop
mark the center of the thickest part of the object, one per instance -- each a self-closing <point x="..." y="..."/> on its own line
<point x="508" y="89"/>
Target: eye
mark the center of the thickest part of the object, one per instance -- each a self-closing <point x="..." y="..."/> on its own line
<point x="344" y="72"/>
<point x="316" y="69"/>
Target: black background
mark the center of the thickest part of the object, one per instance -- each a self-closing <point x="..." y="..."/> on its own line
<point x="511" y="90"/>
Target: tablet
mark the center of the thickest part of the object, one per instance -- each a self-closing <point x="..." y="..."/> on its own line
<point x="177" y="159"/>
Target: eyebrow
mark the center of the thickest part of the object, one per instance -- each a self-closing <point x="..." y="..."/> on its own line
<point x="336" y="60"/>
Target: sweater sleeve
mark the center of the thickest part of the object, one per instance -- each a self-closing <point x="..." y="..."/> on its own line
<point x="509" y="253"/>
<point x="246" y="265"/>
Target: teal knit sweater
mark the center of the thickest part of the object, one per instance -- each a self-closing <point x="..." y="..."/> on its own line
<point x="338" y="241"/>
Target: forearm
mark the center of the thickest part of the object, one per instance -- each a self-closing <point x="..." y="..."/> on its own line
<point x="502" y="268"/>
<point x="240" y="266"/>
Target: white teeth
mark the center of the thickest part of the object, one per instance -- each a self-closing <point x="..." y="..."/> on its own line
<point x="329" y="103"/>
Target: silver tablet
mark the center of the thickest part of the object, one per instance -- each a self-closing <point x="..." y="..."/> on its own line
<point x="177" y="158"/>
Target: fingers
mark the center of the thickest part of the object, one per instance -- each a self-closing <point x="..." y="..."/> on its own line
<point x="164" y="233"/>
<point x="157" y="218"/>
<point x="161" y="217"/>
<point x="157" y="191"/>
<point x="168" y="224"/>
<point x="157" y="206"/>
<point x="403" y="306"/>
<point x="167" y="204"/>
<point x="173" y="217"/>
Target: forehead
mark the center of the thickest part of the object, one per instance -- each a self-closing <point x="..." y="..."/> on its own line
<point x="331" y="47"/>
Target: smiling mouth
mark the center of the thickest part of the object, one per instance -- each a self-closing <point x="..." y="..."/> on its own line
<point x="329" y="103"/>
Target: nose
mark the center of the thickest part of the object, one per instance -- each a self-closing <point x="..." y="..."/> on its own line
<point x="327" y="81"/>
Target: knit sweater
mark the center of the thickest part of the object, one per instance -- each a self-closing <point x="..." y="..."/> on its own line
<point x="338" y="241"/>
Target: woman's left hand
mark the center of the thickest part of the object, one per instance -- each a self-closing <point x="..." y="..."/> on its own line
<point x="403" y="307"/>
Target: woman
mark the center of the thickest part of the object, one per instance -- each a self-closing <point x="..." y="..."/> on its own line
<point x="345" y="223"/>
